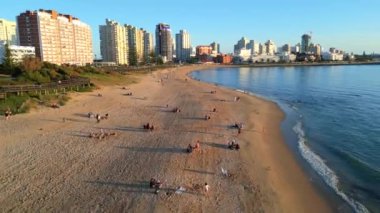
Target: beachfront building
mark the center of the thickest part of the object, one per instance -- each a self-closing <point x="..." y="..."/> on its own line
<point x="18" y="53"/>
<point x="136" y="44"/>
<point x="148" y="45"/>
<point x="8" y="32"/>
<point x="203" y="50"/>
<point x="114" y="43"/>
<point x="57" y="38"/>
<point x="215" y="47"/>
<point x="223" y="59"/>
<point x="263" y="58"/>
<point x="270" y="48"/>
<point x="183" y="46"/>
<point x="286" y="48"/>
<point x="305" y="43"/>
<point x="254" y="46"/>
<point x="241" y="44"/>
<point x="164" y="42"/>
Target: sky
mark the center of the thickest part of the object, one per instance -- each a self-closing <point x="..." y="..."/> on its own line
<point x="350" y="25"/>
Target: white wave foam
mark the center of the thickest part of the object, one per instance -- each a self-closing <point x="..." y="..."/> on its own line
<point x="328" y="175"/>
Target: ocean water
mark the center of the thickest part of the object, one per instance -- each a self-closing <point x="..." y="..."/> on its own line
<point x="332" y="123"/>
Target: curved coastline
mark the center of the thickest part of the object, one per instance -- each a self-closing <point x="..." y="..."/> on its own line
<point x="327" y="182"/>
<point x="297" y="176"/>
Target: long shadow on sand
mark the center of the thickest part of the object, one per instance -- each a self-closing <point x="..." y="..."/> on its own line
<point x="216" y="145"/>
<point x="138" y="187"/>
<point x="199" y="171"/>
<point x="157" y="150"/>
<point x="124" y="128"/>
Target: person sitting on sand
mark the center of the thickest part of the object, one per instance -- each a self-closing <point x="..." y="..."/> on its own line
<point x="189" y="148"/>
<point x="106" y="116"/>
<point x="98" y="118"/>
<point x="214" y="110"/>
<point x="151" y="128"/>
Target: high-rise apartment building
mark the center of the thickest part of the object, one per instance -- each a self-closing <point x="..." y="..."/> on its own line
<point x="286" y="48"/>
<point x="164" y="42"/>
<point x="305" y="43"/>
<point x="242" y="44"/>
<point x="254" y="47"/>
<point x="215" y="47"/>
<point x="57" y="38"/>
<point x="183" y="46"/>
<point x="136" y="44"/>
<point x="270" y="47"/>
<point x="114" y="42"/>
<point x="148" y="45"/>
<point x="8" y="32"/>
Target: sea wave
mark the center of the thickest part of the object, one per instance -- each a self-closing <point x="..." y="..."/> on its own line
<point x="319" y="165"/>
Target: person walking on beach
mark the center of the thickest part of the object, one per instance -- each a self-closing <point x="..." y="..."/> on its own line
<point x="207" y="188"/>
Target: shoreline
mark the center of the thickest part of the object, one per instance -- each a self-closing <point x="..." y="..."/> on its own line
<point x="302" y="64"/>
<point x="287" y="148"/>
<point x="52" y="163"/>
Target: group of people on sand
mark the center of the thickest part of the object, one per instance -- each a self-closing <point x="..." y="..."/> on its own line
<point x="98" y="117"/>
<point x="207" y="117"/>
<point x="148" y="126"/>
<point x="237" y="98"/>
<point x="155" y="184"/>
<point x="128" y="94"/>
<point x="238" y="126"/>
<point x="233" y="145"/>
<point x="191" y="148"/>
<point x="213" y="92"/>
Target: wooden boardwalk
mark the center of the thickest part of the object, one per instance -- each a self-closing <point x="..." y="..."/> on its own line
<point x="71" y="84"/>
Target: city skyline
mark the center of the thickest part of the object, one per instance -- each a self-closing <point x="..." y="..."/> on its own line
<point x="355" y="32"/>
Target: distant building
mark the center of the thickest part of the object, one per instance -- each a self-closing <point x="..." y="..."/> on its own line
<point x="329" y="56"/>
<point x="287" y="57"/>
<point x="241" y="44"/>
<point x="270" y="47"/>
<point x="305" y="43"/>
<point x="317" y="49"/>
<point x="148" y="45"/>
<point x="265" y="59"/>
<point x="223" y="59"/>
<point x="244" y="54"/>
<point x="8" y="32"/>
<point x="286" y="48"/>
<point x="135" y="44"/>
<point x="183" y="46"/>
<point x="18" y="53"/>
<point x="164" y="42"/>
<point x="215" y="47"/>
<point x="114" y="43"/>
<point x="254" y="46"/>
<point x="296" y="49"/>
<point x="203" y="50"/>
<point x="57" y="38"/>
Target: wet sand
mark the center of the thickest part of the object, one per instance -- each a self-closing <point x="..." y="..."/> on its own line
<point x="48" y="162"/>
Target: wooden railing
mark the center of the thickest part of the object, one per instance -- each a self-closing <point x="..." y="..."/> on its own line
<point x="64" y="84"/>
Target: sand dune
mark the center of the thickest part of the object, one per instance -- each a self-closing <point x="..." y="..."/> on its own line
<point x="48" y="162"/>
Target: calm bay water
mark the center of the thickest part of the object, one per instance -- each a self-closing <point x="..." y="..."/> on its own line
<point x="333" y="122"/>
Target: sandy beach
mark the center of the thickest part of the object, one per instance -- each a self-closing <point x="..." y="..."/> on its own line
<point x="48" y="162"/>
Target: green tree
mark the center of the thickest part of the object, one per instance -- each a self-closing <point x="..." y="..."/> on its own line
<point x="132" y="57"/>
<point x="8" y="62"/>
